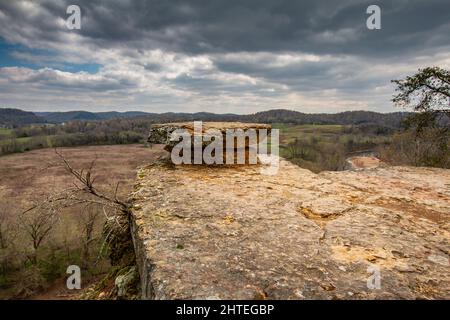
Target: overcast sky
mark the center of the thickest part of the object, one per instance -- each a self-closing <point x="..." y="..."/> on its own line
<point x="215" y="55"/>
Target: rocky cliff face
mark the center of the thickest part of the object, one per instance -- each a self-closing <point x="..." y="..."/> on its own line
<point x="231" y="233"/>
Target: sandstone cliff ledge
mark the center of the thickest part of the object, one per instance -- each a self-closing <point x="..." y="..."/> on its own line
<point x="232" y="233"/>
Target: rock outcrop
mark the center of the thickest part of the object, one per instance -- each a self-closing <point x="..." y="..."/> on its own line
<point x="242" y="150"/>
<point x="161" y="133"/>
<point x="229" y="232"/>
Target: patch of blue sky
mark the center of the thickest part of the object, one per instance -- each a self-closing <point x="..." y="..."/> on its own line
<point x="15" y="55"/>
<point x="86" y="67"/>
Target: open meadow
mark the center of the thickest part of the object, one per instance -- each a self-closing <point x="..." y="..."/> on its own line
<point x="30" y="177"/>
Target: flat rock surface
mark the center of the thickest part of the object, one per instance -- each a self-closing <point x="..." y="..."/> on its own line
<point x="232" y="233"/>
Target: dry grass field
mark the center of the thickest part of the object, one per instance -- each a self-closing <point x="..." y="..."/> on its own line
<point x="37" y="173"/>
<point x="30" y="177"/>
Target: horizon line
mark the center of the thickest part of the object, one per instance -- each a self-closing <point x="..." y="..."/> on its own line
<point x="207" y="112"/>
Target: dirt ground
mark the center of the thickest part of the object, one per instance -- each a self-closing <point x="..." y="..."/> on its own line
<point x="364" y="162"/>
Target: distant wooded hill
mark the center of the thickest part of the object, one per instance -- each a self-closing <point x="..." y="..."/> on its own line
<point x="59" y="117"/>
<point x="16" y="117"/>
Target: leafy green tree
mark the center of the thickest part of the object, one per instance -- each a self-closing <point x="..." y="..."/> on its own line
<point x="428" y="93"/>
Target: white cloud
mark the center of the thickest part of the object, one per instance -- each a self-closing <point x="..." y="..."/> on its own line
<point x="140" y="70"/>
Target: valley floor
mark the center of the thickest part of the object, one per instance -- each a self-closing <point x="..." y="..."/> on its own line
<point x="31" y="177"/>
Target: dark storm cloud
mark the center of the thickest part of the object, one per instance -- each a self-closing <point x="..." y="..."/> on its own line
<point x="254" y="25"/>
<point x="261" y="25"/>
<point x="301" y="73"/>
